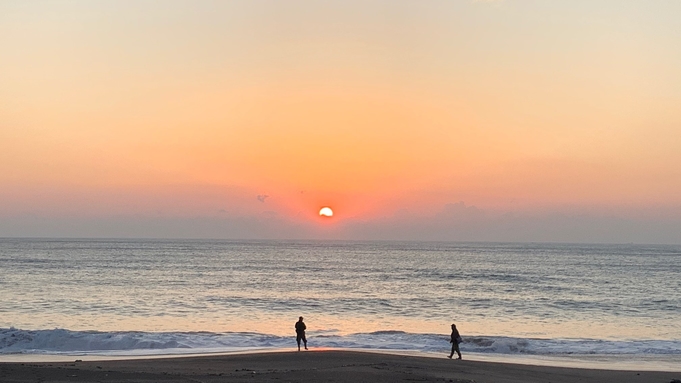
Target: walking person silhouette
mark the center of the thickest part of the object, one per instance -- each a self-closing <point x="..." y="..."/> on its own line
<point x="300" y="332"/>
<point x="455" y="340"/>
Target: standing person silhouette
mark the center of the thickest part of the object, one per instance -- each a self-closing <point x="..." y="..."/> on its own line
<point x="300" y="332"/>
<point x="455" y="340"/>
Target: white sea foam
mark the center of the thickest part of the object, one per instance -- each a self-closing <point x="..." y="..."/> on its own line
<point x="60" y="341"/>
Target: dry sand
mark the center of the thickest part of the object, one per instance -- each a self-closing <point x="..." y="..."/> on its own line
<point x="313" y="366"/>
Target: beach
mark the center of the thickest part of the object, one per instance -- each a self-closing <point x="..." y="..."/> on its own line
<point x="190" y="189"/>
<point x="313" y="366"/>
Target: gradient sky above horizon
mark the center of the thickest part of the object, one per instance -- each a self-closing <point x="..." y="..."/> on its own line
<point x="419" y="120"/>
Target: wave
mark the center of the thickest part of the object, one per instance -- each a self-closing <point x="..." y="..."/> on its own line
<point x="132" y="343"/>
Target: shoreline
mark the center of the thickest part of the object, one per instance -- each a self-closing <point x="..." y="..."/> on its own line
<point x="625" y="362"/>
<point x="315" y="365"/>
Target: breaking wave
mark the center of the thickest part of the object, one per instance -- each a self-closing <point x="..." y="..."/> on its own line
<point x="131" y="343"/>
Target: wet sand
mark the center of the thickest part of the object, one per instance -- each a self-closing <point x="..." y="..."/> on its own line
<point x="314" y="366"/>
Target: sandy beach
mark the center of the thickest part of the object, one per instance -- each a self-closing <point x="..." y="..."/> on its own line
<point x="313" y="366"/>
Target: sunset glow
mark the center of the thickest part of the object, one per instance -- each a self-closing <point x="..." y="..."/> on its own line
<point x="144" y="118"/>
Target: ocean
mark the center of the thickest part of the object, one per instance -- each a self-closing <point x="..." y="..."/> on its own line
<point x="528" y="301"/>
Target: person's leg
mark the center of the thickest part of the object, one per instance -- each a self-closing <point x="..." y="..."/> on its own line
<point x="305" y="341"/>
<point x="452" y="353"/>
<point x="458" y="352"/>
<point x="298" y="341"/>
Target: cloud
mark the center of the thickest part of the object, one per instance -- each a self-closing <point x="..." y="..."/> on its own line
<point x="262" y="197"/>
<point x="459" y="222"/>
<point x="453" y="222"/>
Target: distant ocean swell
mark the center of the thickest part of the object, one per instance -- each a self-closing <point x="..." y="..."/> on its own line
<point x="65" y="342"/>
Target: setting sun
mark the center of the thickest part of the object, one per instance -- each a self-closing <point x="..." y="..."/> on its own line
<point x="326" y="212"/>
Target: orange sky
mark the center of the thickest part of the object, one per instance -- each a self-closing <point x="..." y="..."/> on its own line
<point x="122" y="110"/>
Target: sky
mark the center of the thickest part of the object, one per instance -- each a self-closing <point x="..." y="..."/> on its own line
<point x="543" y="121"/>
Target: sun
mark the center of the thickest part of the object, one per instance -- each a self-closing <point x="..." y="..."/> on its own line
<point x="326" y="212"/>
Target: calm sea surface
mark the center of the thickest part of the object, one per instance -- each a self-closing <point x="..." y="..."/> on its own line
<point x="140" y="297"/>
